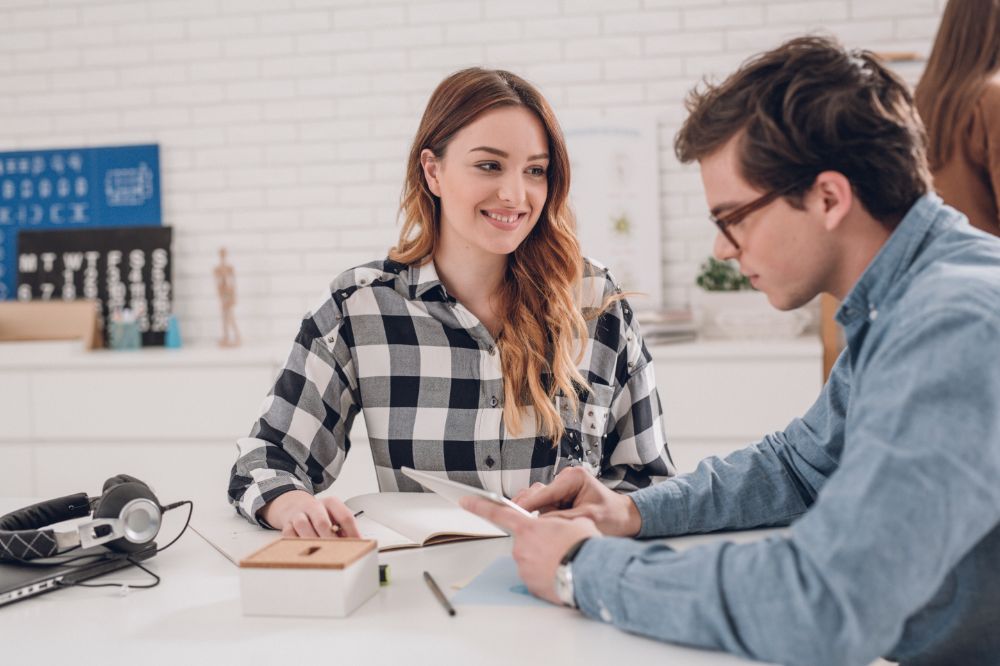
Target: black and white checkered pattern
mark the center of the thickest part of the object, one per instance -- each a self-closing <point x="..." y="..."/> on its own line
<point x="389" y="342"/>
<point x="27" y="544"/>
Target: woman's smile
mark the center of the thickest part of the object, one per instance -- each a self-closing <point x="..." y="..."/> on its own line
<point x="506" y="220"/>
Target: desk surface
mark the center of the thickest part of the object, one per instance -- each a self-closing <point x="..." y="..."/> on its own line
<point x="194" y="617"/>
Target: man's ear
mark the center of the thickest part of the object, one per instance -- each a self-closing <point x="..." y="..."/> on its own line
<point x="431" y="167"/>
<point x="833" y="195"/>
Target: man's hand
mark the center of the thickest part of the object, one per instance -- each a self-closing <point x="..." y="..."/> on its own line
<point x="539" y="543"/>
<point x="297" y="513"/>
<point x="576" y="494"/>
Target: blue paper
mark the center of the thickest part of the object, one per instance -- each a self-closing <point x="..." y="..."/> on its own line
<point x="497" y="585"/>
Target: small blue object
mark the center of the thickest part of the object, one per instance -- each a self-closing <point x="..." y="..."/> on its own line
<point x="123" y="330"/>
<point x="498" y="585"/>
<point x="172" y="340"/>
<point x="124" y="335"/>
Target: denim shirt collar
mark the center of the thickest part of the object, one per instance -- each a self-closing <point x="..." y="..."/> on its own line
<point x="892" y="261"/>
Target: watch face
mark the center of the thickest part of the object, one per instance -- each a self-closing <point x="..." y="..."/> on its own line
<point x="564" y="585"/>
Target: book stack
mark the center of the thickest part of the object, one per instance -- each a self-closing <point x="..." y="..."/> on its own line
<point x="666" y="326"/>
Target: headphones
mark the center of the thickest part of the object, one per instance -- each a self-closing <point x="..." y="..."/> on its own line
<point x="127" y="517"/>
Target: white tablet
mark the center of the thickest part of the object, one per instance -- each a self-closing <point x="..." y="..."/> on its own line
<point x="453" y="491"/>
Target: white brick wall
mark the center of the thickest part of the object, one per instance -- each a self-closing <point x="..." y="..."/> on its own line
<point x="284" y="124"/>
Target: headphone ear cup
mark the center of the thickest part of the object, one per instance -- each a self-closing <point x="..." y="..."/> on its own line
<point x="119" y="479"/>
<point x="141" y="519"/>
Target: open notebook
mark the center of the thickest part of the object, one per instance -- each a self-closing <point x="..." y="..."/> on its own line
<point x="395" y="520"/>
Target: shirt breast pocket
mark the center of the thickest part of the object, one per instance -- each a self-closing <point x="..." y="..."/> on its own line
<point x="586" y="429"/>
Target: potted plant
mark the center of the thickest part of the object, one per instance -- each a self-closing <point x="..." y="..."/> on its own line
<point x="727" y="306"/>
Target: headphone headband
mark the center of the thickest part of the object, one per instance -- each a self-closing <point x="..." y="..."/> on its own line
<point x="21" y="536"/>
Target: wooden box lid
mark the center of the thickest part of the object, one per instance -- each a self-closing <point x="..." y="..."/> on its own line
<point x="298" y="553"/>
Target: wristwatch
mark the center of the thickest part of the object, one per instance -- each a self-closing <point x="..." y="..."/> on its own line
<point x="564" y="575"/>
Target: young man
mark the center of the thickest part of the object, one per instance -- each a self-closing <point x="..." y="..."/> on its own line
<point x="814" y="169"/>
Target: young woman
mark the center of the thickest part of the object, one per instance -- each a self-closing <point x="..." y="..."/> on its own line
<point x="484" y="349"/>
<point x="959" y="100"/>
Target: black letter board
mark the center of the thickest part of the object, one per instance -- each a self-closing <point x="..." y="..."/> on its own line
<point x="121" y="267"/>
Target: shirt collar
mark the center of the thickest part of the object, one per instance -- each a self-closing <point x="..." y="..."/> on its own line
<point x="423" y="279"/>
<point x="892" y="261"/>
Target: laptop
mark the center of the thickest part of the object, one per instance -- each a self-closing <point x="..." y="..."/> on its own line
<point x="20" y="581"/>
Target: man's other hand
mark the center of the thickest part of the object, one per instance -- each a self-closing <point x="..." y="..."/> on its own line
<point x="576" y="494"/>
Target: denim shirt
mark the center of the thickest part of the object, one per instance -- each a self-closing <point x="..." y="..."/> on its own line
<point x="890" y="482"/>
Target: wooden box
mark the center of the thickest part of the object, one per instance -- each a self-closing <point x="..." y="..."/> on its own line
<point x="309" y="577"/>
<point x="50" y="320"/>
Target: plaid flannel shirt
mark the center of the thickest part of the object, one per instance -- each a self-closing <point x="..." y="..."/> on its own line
<point x="390" y="342"/>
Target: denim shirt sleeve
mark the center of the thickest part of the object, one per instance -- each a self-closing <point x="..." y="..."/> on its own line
<point x="914" y="492"/>
<point x="769" y="483"/>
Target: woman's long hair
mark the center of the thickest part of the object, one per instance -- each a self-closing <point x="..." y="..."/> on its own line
<point x="965" y="56"/>
<point x="543" y="329"/>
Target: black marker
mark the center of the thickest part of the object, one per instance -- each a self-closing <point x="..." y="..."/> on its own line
<point x="439" y="594"/>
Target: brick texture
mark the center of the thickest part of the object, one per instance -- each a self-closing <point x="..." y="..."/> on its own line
<point x="283" y="124"/>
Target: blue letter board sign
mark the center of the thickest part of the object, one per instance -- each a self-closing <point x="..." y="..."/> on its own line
<point x="74" y="188"/>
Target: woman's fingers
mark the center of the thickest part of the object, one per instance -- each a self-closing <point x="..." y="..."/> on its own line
<point x="300" y="526"/>
<point x="342" y="516"/>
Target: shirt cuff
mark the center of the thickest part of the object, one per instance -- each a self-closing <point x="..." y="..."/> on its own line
<point x="598" y="570"/>
<point x="662" y="509"/>
<point x="255" y="497"/>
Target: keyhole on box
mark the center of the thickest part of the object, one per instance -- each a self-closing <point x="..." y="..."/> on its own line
<point x="311" y="550"/>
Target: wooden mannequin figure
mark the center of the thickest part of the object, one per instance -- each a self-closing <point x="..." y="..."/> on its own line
<point x="225" y="284"/>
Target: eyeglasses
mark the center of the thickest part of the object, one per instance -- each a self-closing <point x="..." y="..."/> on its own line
<point x="723" y="222"/>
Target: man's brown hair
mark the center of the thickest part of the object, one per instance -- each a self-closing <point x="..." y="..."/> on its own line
<point x="810" y="106"/>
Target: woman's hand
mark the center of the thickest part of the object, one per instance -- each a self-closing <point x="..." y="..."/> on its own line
<point x="297" y="513"/>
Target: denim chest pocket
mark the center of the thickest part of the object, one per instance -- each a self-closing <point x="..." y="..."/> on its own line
<point x="586" y="427"/>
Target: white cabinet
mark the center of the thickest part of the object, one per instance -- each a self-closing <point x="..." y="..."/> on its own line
<point x="72" y="418"/>
<point x="719" y="396"/>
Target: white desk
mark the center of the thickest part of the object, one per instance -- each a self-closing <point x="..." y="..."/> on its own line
<point x="194" y="617"/>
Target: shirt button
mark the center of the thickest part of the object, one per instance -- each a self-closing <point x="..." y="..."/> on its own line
<point x="489" y="461"/>
<point x="491" y="349"/>
<point x="493" y="401"/>
<point x="604" y="613"/>
<point x="873" y="314"/>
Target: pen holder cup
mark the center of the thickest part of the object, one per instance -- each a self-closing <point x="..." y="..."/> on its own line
<point x="309" y="577"/>
<point x="124" y="335"/>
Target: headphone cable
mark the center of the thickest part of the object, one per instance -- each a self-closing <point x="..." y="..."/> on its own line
<point x="186" y="522"/>
<point x="156" y="579"/>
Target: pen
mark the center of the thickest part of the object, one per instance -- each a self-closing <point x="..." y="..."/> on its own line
<point x="336" y="528"/>
<point x="439" y="594"/>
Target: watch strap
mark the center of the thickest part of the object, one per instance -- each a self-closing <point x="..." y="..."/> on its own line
<point x="573" y="551"/>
